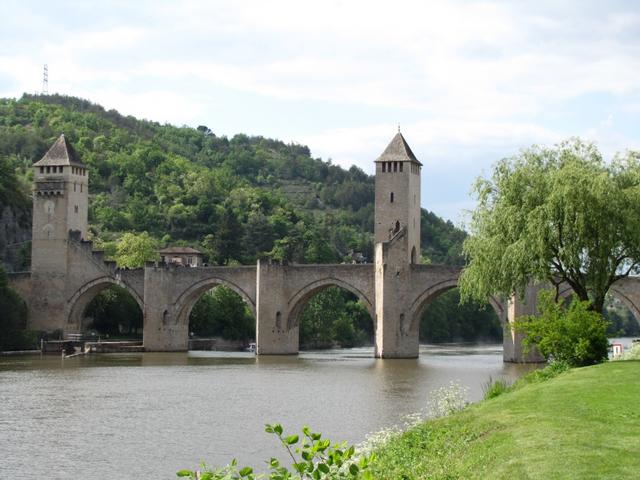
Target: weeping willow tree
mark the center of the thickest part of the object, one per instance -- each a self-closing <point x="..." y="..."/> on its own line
<point x="555" y="215"/>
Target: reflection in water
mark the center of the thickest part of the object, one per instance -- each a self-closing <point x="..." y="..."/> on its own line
<point x="148" y="415"/>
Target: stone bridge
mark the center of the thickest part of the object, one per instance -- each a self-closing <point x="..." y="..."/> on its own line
<point x="275" y="293"/>
<point x="66" y="272"/>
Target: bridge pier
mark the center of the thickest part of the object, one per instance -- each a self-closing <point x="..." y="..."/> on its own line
<point x="513" y="350"/>
<point x="393" y="276"/>
<point x="162" y="329"/>
<point x="274" y="333"/>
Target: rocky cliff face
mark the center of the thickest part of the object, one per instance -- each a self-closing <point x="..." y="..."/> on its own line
<point x="15" y="238"/>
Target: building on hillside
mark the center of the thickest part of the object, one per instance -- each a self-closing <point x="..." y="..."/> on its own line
<point x="181" y="256"/>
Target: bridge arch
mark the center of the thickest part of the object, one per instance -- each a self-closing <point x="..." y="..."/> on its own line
<point x="81" y="298"/>
<point x="423" y="300"/>
<point x="299" y="299"/>
<point x="618" y="290"/>
<point x="188" y="298"/>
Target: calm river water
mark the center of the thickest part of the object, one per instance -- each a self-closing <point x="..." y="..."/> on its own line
<point x="148" y="415"/>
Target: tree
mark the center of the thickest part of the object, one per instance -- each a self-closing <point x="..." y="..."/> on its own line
<point x="224" y="244"/>
<point x="114" y="311"/>
<point x="13" y="318"/>
<point x="556" y="215"/>
<point x="574" y="334"/>
<point x="133" y="251"/>
<point x="222" y="312"/>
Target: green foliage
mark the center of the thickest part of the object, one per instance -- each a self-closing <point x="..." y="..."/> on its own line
<point x="574" y="334"/>
<point x="334" y="316"/>
<point x="312" y="458"/>
<point x="13" y="318"/>
<point x="622" y="323"/>
<point x="114" y="312"/>
<point x="495" y="388"/>
<point x="238" y="199"/>
<point x="222" y="312"/>
<point x="570" y="427"/>
<point x="190" y="183"/>
<point x="134" y="250"/>
<point x="555" y="215"/>
<point x="13" y="193"/>
<point x="446" y="320"/>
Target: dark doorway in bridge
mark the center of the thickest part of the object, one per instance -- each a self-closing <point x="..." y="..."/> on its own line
<point x="221" y="320"/>
<point x="622" y="322"/>
<point x="114" y="313"/>
<point x="334" y="318"/>
<point x="445" y="320"/>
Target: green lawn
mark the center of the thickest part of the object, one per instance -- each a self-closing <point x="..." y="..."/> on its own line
<point x="583" y="424"/>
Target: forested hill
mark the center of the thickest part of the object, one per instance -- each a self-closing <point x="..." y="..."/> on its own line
<point x="237" y="199"/>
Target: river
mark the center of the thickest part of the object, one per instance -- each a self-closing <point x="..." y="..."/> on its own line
<point x="148" y="415"/>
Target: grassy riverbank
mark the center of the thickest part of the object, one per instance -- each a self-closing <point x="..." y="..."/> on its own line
<point x="583" y="424"/>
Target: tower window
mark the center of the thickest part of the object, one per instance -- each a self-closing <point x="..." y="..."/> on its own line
<point x="395" y="166"/>
<point x="80" y="187"/>
<point x="74" y="187"/>
<point x="384" y="165"/>
<point x="75" y="208"/>
<point x="391" y="197"/>
<point x="400" y="166"/>
<point x="41" y="169"/>
<point x="48" y="169"/>
<point x="389" y="167"/>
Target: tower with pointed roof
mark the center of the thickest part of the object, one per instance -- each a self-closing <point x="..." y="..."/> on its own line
<point x="397" y="248"/>
<point x="60" y="206"/>
<point x="397" y="204"/>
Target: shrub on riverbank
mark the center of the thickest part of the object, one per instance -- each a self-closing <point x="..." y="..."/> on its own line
<point x="575" y="334"/>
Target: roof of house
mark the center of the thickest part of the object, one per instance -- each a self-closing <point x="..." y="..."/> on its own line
<point x="398" y="151"/>
<point x="180" y="251"/>
<point x="60" y="153"/>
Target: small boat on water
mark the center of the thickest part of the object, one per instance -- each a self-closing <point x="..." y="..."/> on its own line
<point x="251" y="347"/>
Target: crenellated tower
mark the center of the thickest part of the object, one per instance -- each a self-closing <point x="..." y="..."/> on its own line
<point x="397" y="205"/>
<point x="60" y="205"/>
<point x="397" y="248"/>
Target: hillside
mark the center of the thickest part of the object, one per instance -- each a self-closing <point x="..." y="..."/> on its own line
<point x="189" y="186"/>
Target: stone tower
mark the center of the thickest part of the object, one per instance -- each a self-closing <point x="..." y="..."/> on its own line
<point x="397" y="248"/>
<point x="397" y="205"/>
<point x="60" y="205"/>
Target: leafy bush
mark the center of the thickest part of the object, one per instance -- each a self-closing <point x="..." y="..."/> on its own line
<point x="574" y="334"/>
<point x="313" y="458"/>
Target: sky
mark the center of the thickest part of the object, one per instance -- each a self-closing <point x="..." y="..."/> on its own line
<point x="469" y="83"/>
